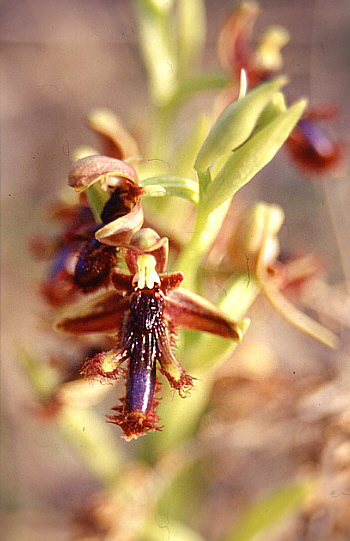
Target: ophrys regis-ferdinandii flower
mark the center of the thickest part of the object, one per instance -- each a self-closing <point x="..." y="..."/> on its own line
<point x="142" y="312"/>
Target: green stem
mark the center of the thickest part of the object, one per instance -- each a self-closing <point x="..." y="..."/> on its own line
<point x="192" y="253"/>
<point x="198" y="83"/>
<point x="165" y="114"/>
<point x="206" y="229"/>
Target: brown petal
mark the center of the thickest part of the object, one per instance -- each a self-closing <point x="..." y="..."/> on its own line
<point x="115" y="139"/>
<point x="191" y="311"/>
<point x="122" y="282"/>
<point x="102" y="314"/>
<point x="122" y="229"/>
<point x="90" y="169"/>
<point x="171" y="281"/>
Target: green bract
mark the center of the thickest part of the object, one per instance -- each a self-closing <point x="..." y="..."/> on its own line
<point x="236" y="123"/>
<point x="171" y="185"/>
<point x="248" y="159"/>
<point x="237" y="298"/>
<point x="276" y="106"/>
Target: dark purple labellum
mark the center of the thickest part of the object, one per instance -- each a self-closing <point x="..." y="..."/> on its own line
<point x="94" y="266"/>
<point x="140" y="386"/>
<point x="311" y="148"/>
<point x="316" y="138"/>
<point x="142" y="328"/>
<point x="60" y="261"/>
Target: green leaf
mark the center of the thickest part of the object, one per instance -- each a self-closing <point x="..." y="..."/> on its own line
<point x="206" y="229"/>
<point x="247" y="160"/>
<point x="267" y="512"/>
<point x="180" y="416"/>
<point x="198" y="82"/>
<point x="155" y="7"/>
<point x="236" y="123"/>
<point x="86" y="430"/>
<point x="43" y="378"/>
<point x="204" y="179"/>
<point x="171" y="185"/>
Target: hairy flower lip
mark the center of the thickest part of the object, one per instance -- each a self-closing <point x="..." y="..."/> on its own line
<point x="143" y="320"/>
<point x="134" y="424"/>
<point x="105" y="313"/>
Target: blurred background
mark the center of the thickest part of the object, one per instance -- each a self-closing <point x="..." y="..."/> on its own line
<point x="60" y="60"/>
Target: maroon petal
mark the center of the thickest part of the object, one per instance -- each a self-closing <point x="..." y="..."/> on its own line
<point x="188" y="310"/>
<point x="122" y="282"/>
<point x="103" y="314"/>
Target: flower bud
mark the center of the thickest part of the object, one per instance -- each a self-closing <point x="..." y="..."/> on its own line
<point x="256" y="236"/>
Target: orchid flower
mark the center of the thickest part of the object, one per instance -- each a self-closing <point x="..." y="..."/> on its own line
<point x="142" y="312"/>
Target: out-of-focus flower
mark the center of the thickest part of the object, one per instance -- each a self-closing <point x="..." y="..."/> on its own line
<point x="256" y="231"/>
<point x="254" y="249"/>
<point x="236" y="52"/>
<point x="309" y="147"/>
<point x="142" y="313"/>
<point x="80" y="262"/>
<point x="78" y="228"/>
<point x="115" y="141"/>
